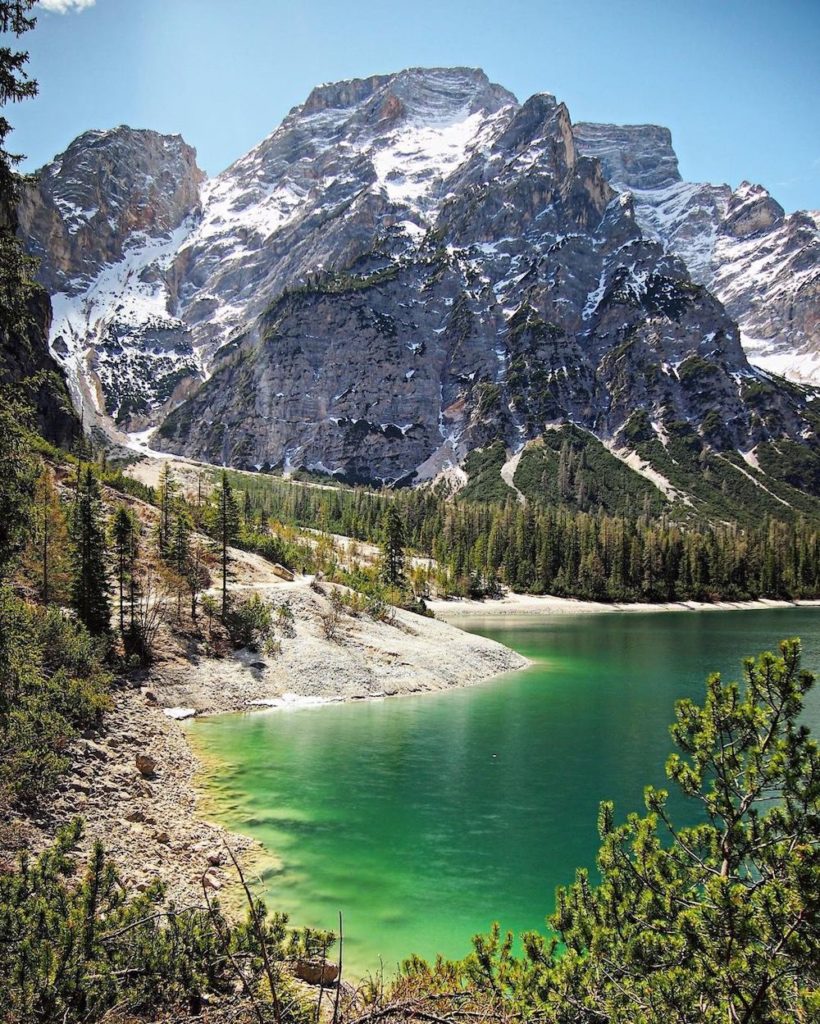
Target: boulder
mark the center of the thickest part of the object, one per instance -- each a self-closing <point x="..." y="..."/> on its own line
<point x="95" y="750"/>
<point x="146" y="765"/>
<point x="317" y="972"/>
<point x="210" y="881"/>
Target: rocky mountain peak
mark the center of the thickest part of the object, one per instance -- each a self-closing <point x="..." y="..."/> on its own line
<point x="751" y="210"/>
<point x="410" y="266"/>
<point x="633" y="156"/>
<point x="107" y="187"/>
<point x="762" y="264"/>
<point x="422" y="92"/>
<point x="341" y="95"/>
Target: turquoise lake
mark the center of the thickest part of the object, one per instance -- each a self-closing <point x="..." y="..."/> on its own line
<point x="426" y="818"/>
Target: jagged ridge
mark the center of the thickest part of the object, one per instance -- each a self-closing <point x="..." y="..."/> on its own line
<point x="415" y="264"/>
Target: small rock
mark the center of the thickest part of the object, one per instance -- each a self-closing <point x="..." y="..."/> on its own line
<point x="95" y="750"/>
<point x="215" y="858"/>
<point x="163" y="837"/>
<point x="146" y="765"/>
<point x="317" y="972"/>
<point x="150" y="696"/>
<point x="211" y="882"/>
<point x="135" y="814"/>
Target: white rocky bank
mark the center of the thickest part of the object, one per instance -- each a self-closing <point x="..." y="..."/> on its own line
<point x="368" y="659"/>
<point x="136" y="784"/>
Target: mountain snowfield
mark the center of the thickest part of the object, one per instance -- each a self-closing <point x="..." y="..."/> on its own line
<point x="409" y="266"/>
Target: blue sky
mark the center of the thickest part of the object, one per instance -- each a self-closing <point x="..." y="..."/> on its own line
<point x="737" y="82"/>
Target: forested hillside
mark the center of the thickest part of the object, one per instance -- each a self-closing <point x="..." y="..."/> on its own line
<point x="543" y="548"/>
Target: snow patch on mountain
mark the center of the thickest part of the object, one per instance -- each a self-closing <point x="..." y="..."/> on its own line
<point x="420" y="155"/>
<point x="122" y="327"/>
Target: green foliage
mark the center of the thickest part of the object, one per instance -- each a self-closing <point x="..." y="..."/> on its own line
<point x="125" y="532"/>
<point x="167" y="494"/>
<point x="719" y="919"/>
<point x="277" y="549"/>
<point x="572" y="467"/>
<point x="89" y="589"/>
<point x="707" y="924"/>
<point x="638" y="428"/>
<point x="223" y="523"/>
<point x="250" y="622"/>
<point x="15" y="85"/>
<point x="75" y="945"/>
<point x="53" y="684"/>
<point x="539" y="548"/>
<point x="487" y="397"/>
<point x="44" y="566"/>
<point x="722" y="486"/>
<point x="696" y="370"/>
<point x="18" y="472"/>
<point x="118" y="481"/>
<point x="392" y="561"/>
<point x="483" y="469"/>
<point x="795" y="464"/>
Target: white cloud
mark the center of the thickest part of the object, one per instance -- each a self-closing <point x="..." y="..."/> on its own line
<point x="64" y="6"/>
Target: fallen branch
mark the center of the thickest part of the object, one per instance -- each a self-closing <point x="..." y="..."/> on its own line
<point x="260" y="934"/>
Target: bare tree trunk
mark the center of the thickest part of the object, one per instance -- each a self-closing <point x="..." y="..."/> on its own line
<point x="339" y="975"/>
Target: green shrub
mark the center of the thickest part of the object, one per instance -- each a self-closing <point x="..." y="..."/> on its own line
<point x="250" y="623"/>
<point x="53" y="685"/>
<point x="75" y="945"/>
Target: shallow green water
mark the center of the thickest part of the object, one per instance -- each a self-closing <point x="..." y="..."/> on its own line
<point x="426" y="818"/>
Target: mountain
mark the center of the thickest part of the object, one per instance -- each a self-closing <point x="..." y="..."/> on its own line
<point x="411" y="268"/>
<point x="106" y="220"/>
<point x="763" y="265"/>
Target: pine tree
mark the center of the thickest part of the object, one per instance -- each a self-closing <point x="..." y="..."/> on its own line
<point x="45" y="561"/>
<point x="16" y="269"/>
<point x="89" y="589"/>
<point x="223" y="526"/>
<point x="179" y="548"/>
<point x="196" y="575"/>
<point x="18" y="474"/>
<point x="167" y="493"/>
<point x="392" y="566"/>
<point x="124" y="533"/>
<point x="716" y="922"/>
<point x="179" y="553"/>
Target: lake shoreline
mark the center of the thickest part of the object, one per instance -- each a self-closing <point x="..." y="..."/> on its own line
<point x="171" y="817"/>
<point x="547" y="605"/>
<point x="483" y="764"/>
<point x="363" y="658"/>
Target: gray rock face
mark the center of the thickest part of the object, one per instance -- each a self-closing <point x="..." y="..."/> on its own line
<point x="410" y="266"/>
<point x="93" y="199"/>
<point x="763" y="265"/>
<point x="105" y="219"/>
<point x="25" y="356"/>
<point x="356" y="157"/>
<point x="637" y="156"/>
<point x="532" y="298"/>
